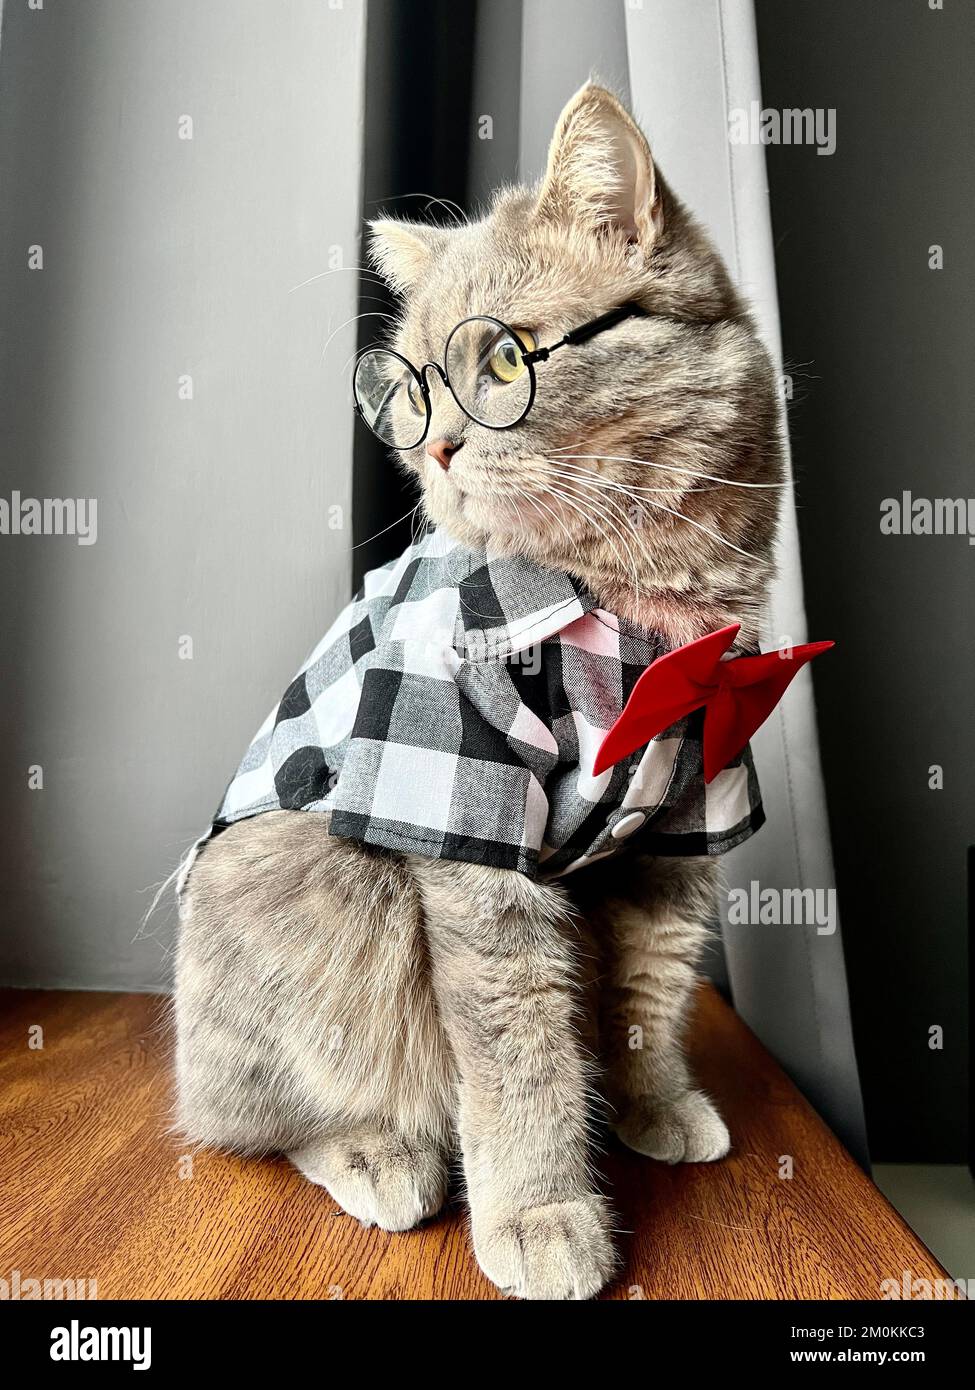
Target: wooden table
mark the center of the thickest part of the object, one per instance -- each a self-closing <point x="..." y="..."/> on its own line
<point x="94" y="1186"/>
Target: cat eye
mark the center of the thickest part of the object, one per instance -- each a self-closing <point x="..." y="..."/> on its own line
<point x="489" y="369"/>
<point x="507" y="361"/>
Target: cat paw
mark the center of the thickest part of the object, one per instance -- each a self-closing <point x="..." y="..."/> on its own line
<point x="560" y="1251"/>
<point x="380" y="1178"/>
<point x="686" y="1130"/>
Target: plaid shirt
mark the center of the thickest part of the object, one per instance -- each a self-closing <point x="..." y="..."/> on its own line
<point x="454" y="710"/>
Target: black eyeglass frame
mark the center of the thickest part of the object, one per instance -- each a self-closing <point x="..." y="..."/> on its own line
<point x="573" y="338"/>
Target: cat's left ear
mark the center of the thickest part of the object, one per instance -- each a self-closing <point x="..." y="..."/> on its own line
<point x="600" y="170"/>
<point x="403" y="251"/>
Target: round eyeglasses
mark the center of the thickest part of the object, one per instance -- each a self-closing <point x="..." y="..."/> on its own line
<point x="488" y="368"/>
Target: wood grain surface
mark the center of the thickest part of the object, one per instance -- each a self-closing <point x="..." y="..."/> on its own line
<point x="92" y="1185"/>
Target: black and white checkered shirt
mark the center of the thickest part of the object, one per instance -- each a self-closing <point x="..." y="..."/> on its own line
<point x="454" y="710"/>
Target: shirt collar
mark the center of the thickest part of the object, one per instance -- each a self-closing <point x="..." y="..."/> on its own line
<point x="509" y="603"/>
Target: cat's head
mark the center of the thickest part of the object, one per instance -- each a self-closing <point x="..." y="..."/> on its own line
<point x="627" y="468"/>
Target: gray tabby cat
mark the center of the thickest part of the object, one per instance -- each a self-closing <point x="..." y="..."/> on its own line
<point x="363" y="1011"/>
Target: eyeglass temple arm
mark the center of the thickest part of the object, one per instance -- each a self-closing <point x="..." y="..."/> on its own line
<point x="585" y="331"/>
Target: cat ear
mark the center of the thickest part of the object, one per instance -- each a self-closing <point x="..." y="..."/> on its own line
<point x="600" y="170"/>
<point x="403" y="251"/>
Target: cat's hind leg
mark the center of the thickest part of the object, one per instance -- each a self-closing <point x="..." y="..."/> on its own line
<point x="380" y="1177"/>
<point x="305" y="1016"/>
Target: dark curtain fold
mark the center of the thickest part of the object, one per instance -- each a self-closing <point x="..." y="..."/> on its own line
<point x="443" y="93"/>
<point x="417" y="148"/>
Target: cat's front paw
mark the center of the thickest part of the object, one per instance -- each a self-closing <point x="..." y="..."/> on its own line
<point x="560" y="1251"/>
<point x="686" y="1130"/>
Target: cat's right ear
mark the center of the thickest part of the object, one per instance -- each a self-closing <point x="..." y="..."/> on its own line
<point x="600" y="172"/>
<point x="403" y="251"/>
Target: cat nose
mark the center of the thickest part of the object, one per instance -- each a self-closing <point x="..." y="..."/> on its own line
<point x="443" y="451"/>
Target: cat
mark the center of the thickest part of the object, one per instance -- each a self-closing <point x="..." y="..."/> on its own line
<point x="371" y="1012"/>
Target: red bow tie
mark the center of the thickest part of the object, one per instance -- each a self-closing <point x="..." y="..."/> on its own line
<point x="737" y="695"/>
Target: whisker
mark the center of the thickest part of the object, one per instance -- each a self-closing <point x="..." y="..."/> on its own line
<point x="699" y="526"/>
<point x="537" y="502"/>
<point x="617" y="509"/>
<point x="672" y="468"/>
<point x="631" y="488"/>
<point x="418" y="523"/>
<point x="460" y="217"/>
<point x="634" y="493"/>
<point x="649" y="502"/>
<point x="337" y="270"/>
<point x="370" y="314"/>
<point x="607" y="516"/>
<point x="411" y="513"/>
<point x="590" y="521"/>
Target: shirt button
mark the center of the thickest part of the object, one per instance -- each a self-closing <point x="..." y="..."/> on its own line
<point x="627" y="825"/>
